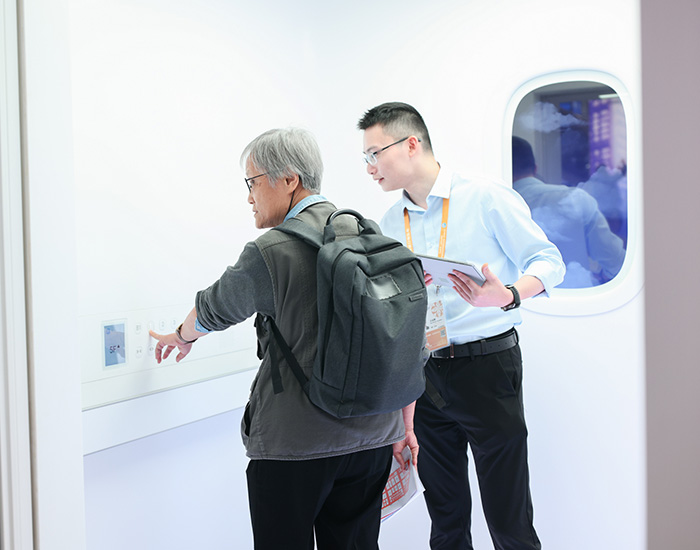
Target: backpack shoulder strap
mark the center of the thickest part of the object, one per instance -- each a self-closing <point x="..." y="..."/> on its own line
<point x="288" y="355"/>
<point x="296" y="227"/>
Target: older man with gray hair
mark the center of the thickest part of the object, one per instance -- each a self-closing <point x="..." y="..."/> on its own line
<point x="310" y="473"/>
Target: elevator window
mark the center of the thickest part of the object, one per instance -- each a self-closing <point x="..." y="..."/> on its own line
<point x="569" y="153"/>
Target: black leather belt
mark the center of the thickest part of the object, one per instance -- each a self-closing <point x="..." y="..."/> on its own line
<point x="493" y="344"/>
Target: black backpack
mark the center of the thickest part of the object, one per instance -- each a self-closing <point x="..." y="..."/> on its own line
<point x="371" y="321"/>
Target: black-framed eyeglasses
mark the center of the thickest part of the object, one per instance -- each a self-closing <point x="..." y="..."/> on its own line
<point x="248" y="180"/>
<point x="371" y="158"/>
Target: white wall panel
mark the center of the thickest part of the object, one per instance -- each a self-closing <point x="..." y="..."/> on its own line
<point x="171" y="496"/>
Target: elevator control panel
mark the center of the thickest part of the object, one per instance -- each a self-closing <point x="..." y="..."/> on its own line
<point x="118" y="362"/>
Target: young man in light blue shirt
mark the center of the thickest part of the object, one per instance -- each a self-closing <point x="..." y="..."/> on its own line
<point x="474" y="394"/>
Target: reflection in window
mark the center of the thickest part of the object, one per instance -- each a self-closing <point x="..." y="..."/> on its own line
<point x="569" y="164"/>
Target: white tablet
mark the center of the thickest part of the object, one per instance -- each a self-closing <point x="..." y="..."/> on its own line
<point x="440" y="267"/>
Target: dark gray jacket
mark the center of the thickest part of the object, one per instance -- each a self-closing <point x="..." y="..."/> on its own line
<point x="276" y="276"/>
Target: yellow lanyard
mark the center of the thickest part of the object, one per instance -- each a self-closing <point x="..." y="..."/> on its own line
<point x="443" y="228"/>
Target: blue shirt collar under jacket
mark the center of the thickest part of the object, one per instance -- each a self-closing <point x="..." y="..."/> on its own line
<point x="304" y="203"/>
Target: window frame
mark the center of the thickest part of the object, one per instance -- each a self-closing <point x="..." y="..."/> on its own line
<point x="628" y="283"/>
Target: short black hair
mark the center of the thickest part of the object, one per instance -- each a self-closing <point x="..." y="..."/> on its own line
<point x="523" y="157"/>
<point x="399" y="120"/>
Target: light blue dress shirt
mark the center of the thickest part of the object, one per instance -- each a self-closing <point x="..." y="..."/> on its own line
<point x="488" y="223"/>
<point x="304" y="203"/>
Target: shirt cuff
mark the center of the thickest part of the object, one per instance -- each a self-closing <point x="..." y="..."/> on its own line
<point x="549" y="275"/>
<point x="198" y="326"/>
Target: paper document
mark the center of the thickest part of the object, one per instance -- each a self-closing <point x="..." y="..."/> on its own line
<point x="440" y="267"/>
<point x="401" y="487"/>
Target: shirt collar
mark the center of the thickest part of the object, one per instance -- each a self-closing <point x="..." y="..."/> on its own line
<point x="304" y="203"/>
<point x="440" y="190"/>
<point x="443" y="184"/>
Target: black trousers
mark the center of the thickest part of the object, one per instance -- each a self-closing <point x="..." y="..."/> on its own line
<point x="484" y="409"/>
<point x="339" y="498"/>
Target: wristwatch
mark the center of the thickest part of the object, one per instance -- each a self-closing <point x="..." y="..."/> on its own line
<point x="516" y="299"/>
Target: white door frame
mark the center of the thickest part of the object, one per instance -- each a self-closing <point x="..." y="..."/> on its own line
<point x="15" y="458"/>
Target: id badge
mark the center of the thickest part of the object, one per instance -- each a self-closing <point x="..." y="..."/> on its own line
<point x="435" y="322"/>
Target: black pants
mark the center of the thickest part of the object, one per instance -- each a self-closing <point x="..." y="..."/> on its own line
<point x="340" y="498"/>
<point x="484" y="409"/>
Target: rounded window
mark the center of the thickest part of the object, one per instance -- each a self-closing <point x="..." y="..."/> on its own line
<point x="569" y="163"/>
<point x="571" y="149"/>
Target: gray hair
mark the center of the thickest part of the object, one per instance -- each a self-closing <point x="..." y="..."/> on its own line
<point x="284" y="152"/>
